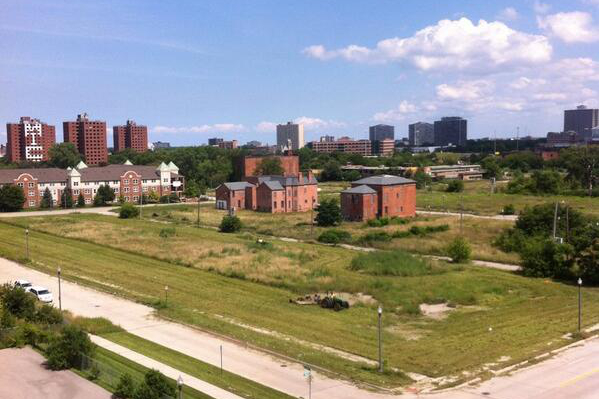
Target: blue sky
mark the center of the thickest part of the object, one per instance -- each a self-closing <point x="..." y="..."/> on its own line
<point x="197" y="69"/>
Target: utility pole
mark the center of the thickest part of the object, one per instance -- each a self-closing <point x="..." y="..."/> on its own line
<point x="27" y="243"/>
<point x="380" y="312"/>
<point x="555" y="221"/>
<point x="141" y="202"/>
<point x="579" y="304"/>
<point x="198" y="221"/>
<point x="461" y="213"/>
<point x="59" y="291"/>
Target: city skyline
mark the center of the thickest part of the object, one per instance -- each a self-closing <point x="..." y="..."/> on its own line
<point x="516" y="65"/>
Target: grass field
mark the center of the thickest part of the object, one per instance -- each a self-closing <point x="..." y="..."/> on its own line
<point x="240" y="308"/>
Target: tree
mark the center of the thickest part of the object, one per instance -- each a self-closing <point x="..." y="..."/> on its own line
<point x="543" y="257"/>
<point x="270" y="166"/>
<point x="328" y="212"/>
<point x="332" y="172"/>
<point x="66" y="350"/>
<point x="491" y="167"/>
<point x="459" y="250"/>
<point x="455" y="186"/>
<point x="128" y="211"/>
<point x="230" y="224"/>
<point x="63" y="155"/>
<point x="125" y="389"/>
<point x="47" y="200"/>
<point x="153" y="197"/>
<point x="66" y="198"/>
<point x="582" y="165"/>
<point x="80" y="201"/>
<point x="104" y="195"/>
<point x="588" y="264"/>
<point x="192" y="189"/>
<point x="158" y="383"/>
<point x="17" y="302"/>
<point x="422" y="179"/>
<point x="12" y="198"/>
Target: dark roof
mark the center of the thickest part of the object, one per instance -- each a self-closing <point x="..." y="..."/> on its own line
<point x="384" y="180"/>
<point x="359" y="190"/>
<point x="114" y="172"/>
<point x="286" y="181"/>
<point x="237" y="185"/>
<point x="42" y="174"/>
<point x="273" y="185"/>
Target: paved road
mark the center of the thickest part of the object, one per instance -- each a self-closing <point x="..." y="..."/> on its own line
<point x="571" y="374"/>
<point x="469" y="215"/>
<point x="23" y="376"/>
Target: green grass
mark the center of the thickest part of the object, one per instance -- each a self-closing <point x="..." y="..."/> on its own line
<point x="393" y="263"/>
<point x="413" y="343"/>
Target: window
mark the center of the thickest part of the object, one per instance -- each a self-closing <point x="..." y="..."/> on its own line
<point x="76" y="192"/>
<point x="31" y="185"/>
<point x="126" y="189"/>
<point x="165" y="180"/>
<point x="75" y="183"/>
<point x="127" y="199"/>
<point x="282" y="204"/>
<point x="31" y="193"/>
<point x="126" y="181"/>
<point x="145" y="189"/>
<point x="135" y="181"/>
<point x="135" y="189"/>
<point x="238" y="203"/>
<point x="20" y="185"/>
<point x="87" y="191"/>
<point x="136" y="198"/>
<point x="31" y="203"/>
<point x="116" y="190"/>
<point x="88" y="201"/>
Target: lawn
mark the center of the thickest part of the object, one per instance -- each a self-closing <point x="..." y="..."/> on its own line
<point x="241" y="307"/>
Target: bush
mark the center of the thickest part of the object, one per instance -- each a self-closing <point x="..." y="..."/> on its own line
<point x="17" y="302"/>
<point x="47" y="314"/>
<point x="329" y="213"/>
<point x="47" y="200"/>
<point x="455" y="186"/>
<point x="381" y="222"/>
<point x="128" y="211"/>
<point x="65" y="351"/>
<point x="155" y="386"/>
<point x="11" y="198"/>
<point x="392" y="263"/>
<point x="230" y="224"/>
<point x="125" y="389"/>
<point x="543" y="257"/>
<point x="80" y="201"/>
<point x="376" y="236"/>
<point x="459" y="250"/>
<point x="334" y="236"/>
<point x="509" y="209"/>
<point x="168" y="232"/>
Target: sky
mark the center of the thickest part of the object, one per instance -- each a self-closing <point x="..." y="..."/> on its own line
<point x="193" y="69"/>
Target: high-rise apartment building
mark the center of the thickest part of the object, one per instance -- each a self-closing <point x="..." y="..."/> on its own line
<point x="132" y="136"/>
<point x="381" y="132"/>
<point x="451" y="130"/>
<point x="29" y="140"/>
<point x="581" y="120"/>
<point x="215" y="141"/>
<point x="290" y="136"/>
<point x="421" y="133"/>
<point x="158" y="145"/>
<point x="89" y="137"/>
<point x="343" y="144"/>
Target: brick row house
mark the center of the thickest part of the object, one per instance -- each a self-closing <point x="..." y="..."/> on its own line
<point x="274" y="194"/>
<point x="379" y="196"/>
<point x="128" y="181"/>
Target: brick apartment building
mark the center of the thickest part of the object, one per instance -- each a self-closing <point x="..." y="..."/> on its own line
<point x="343" y="144"/>
<point x="128" y="181"/>
<point x="89" y="137"/>
<point x="248" y="166"/>
<point x="274" y="194"/>
<point x="379" y="196"/>
<point x="29" y="140"/>
<point x="130" y="135"/>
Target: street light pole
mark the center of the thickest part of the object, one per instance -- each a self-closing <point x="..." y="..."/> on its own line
<point x="180" y="386"/>
<point x="166" y="295"/>
<point x="59" y="291"/>
<point x="555" y="221"/>
<point x="380" y="312"/>
<point x="27" y="243"/>
<point x="579" y="303"/>
<point x="141" y="202"/>
<point x="199" y="198"/>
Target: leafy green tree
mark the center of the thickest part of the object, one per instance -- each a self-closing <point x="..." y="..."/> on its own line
<point x="270" y="166"/>
<point x="125" y="389"/>
<point x="192" y="189"/>
<point x="459" y="250"/>
<point x="351" y="175"/>
<point x="66" y="350"/>
<point x="491" y="167"/>
<point x="230" y="224"/>
<point x="12" y="198"/>
<point x="47" y="314"/>
<point x="543" y="257"/>
<point x="66" y="198"/>
<point x="588" y="264"/>
<point x="104" y="195"/>
<point x="455" y="186"/>
<point x="159" y="384"/>
<point x="47" y="200"/>
<point x="582" y="164"/>
<point x="332" y="172"/>
<point x="153" y="197"/>
<point x="17" y="302"/>
<point x="328" y="212"/>
<point x="524" y="161"/>
<point x="422" y="179"/>
<point x="80" y="201"/>
<point x="63" y="155"/>
<point x="128" y="211"/>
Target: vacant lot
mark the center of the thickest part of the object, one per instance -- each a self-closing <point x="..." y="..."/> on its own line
<point x="487" y="313"/>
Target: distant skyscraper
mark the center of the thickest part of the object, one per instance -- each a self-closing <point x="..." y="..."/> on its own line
<point x="382" y="132"/>
<point x="215" y="141"/>
<point x="421" y="133"/>
<point x="160" y="145"/>
<point x="131" y="136"/>
<point x="29" y="140"/>
<point x="89" y="137"/>
<point x="451" y="130"/>
<point x="581" y="120"/>
<point x="290" y="136"/>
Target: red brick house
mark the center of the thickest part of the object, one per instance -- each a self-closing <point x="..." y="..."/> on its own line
<point x="238" y="195"/>
<point x="393" y="196"/>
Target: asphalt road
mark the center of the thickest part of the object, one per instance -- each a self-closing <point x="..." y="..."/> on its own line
<point x="571" y="374"/>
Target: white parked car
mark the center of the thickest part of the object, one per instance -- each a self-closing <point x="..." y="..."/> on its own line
<point x="42" y="294"/>
<point x="23" y="284"/>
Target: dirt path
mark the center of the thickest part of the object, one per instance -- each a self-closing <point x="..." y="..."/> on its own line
<point x="470" y="215"/>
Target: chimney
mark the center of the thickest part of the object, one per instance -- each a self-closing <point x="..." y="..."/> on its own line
<point x="300" y="178"/>
<point x="310" y="176"/>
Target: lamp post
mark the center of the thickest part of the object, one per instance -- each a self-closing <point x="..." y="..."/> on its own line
<point x="579" y="303"/>
<point x="141" y="202"/>
<point x="380" y="312"/>
<point x="199" y="200"/>
<point x="59" y="290"/>
<point x="27" y="243"/>
<point x="312" y="217"/>
<point x="180" y="386"/>
<point x="166" y="295"/>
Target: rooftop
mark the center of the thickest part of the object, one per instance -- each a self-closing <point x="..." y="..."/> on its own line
<point x="384" y="180"/>
<point x="359" y="190"/>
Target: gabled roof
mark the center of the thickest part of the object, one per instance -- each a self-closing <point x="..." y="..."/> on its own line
<point x="114" y="172"/>
<point x="286" y="181"/>
<point x="173" y="167"/>
<point x="163" y="167"/>
<point x="128" y="162"/>
<point x="273" y="185"/>
<point x="359" y="190"/>
<point x="383" y="180"/>
<point x="7" y="176"/>
<point x="237" y="185"/>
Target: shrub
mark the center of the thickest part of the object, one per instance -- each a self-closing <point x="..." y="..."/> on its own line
<point x="128" y="211"/>
<point x="509" y="209"/>
<point x="376" y="236"/>
<point x="392" y="263"/>
<point x="381" y="222"/>
<point x="155" y="386"/>
<point x="329" y="213"/>
<point x="455" y="186"/>
<point x="230" y="224"/>
<point x="543" y="257"/>
<point x="125" y="389"/>
<point x="47" y="200"/>
<point x="80" y="201"/>
<point x="334" y="236"/>
<point x="11" y="198"/>
<point x="459" y="250"/>
<point x="17" y="302"/>
<point x="47" y="314"/>
<point x="168" y="232"/>
<point x="65" y="351"/>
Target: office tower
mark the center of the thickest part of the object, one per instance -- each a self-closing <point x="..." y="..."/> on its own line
<point x="381" y="132"/>
<point x="451" y="130"/>
<point x="215" y="141"/>
<point x="157" y="145"/>
<point x="581" y="120"/>
<point x="290" y="136"/>
<point x="89" y="137"/>
<point x="132" y="136"/>
<point x="29" y="140"/>
<point x="421" y="133"/>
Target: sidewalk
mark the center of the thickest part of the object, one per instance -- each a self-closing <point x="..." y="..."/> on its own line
<point x="188" y="380"/>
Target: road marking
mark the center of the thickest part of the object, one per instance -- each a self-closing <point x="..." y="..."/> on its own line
<point x="579" y="378"/>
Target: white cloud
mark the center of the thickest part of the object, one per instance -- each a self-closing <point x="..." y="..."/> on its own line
<point x="317" y="123"/>
<point x="266" y="127"/>
<point x="541" y="8"/>
<point x="508" y="14"/>
<point x="450" y="45"/>
<point x="523" y="82"/>
<point x="465" y="90"/>
<point x="399" y="113"/>
<point x="216" y="128"/>
<point x="570" y="27"/>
